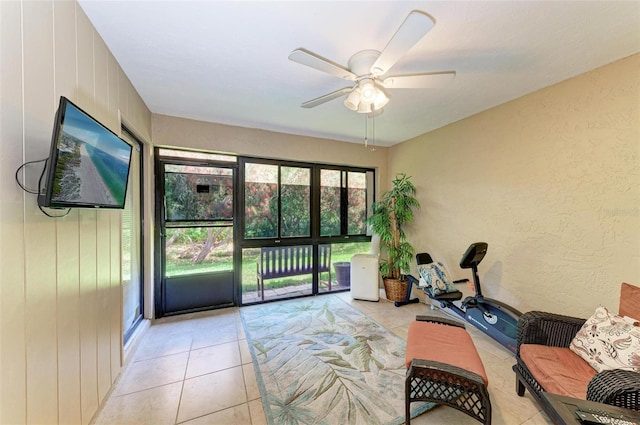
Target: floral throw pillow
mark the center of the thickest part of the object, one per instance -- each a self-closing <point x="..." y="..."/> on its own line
<point x="436" y="278"/>
<point x="607" y="341"/>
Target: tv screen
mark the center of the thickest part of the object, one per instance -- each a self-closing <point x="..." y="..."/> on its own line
<point x="88" y="166"/>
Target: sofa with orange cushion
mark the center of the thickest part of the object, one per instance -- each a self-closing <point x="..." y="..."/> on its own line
<point x="593" y="359"/>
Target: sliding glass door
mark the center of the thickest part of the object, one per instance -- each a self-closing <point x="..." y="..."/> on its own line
<point x="132" y="275"/>
<point x="277" y="212"/>
<point x="300" y="224"/>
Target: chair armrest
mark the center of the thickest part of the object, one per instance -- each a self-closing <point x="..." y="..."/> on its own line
<point x="440" y="320"/>
<point x="616" y="387"/>
<point x="554" y="330"/>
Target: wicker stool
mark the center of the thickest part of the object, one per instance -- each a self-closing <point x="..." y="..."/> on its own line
<point x="443" y="367"/>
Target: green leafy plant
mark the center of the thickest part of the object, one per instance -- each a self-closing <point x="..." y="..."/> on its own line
<point x="389" y="215"/>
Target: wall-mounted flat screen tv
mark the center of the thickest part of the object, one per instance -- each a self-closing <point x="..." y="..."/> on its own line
<point x="88" y="166"/>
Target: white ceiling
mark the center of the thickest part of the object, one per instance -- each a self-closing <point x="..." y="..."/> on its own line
<point x="227" y="61"/>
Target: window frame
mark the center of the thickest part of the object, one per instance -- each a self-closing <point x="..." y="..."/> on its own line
<point x="130" y="136"/>
<point x="315" y="206"/>
<point x="344" y="207"/>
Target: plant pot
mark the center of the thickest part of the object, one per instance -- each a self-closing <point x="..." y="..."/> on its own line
<point x="395" y="290"/>
<point x="343" y="273"/>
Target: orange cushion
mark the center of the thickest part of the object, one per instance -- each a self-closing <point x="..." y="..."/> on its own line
<point x="629" y="301"/>
<point x="557" y="369"/>
<point x="446" y="344"/>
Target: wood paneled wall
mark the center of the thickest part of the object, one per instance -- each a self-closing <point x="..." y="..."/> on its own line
<point x="60" y="290"/>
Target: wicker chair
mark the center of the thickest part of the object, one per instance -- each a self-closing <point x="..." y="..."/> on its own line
<point x="616" y="387"/>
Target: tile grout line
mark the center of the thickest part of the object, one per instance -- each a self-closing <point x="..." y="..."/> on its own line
<point x="184" y="377"/>
<point x="244" y="380"/>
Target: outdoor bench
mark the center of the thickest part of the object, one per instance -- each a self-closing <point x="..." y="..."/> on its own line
<point x="285" y="261"/>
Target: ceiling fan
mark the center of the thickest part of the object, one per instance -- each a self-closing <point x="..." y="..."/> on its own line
<point x="368" y="69"/>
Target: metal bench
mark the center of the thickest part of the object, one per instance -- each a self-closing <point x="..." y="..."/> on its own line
<point x="285" y="261"/>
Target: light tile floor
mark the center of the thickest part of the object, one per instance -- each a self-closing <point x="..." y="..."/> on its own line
<point x="196" y="369"/>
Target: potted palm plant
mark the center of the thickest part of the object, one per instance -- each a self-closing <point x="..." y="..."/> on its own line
<point x="388" y="217"/>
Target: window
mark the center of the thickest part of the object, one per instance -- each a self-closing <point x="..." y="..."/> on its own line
<point x="290" y="232"/>
<point x="345" y="199"/>
<point x="330" y="190"/>
<point x="261" y="201"/>
<point x="295" y="217"/>
<point x="277" y="201"/>
<point x="356" y="203"/>
<point x="198" y="193"/>
<point x="132" y="273"/>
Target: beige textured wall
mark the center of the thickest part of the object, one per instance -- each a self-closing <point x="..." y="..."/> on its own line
<point x="60" y="292"/>
<point x="180" y="132"/>
<point x="551" y="181"/>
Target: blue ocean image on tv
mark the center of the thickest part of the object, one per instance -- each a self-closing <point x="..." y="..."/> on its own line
<point x="93" y="163"/>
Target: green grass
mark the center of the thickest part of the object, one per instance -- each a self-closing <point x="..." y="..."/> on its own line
<point x="339" y="253"/>
<point x="180" y="268"/>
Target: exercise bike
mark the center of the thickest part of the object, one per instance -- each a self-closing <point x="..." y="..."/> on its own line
<point x="496" y="319"/>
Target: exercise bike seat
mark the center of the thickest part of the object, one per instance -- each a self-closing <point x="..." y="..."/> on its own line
<point x="447" y="296"/>
<point x="425" y="258"/>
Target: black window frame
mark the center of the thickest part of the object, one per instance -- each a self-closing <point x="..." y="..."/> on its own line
<point x="315" y="206"/>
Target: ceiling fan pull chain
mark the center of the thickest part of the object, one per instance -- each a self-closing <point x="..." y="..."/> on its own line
<point x="373" y="130"/>
<point x="366" y="127"/>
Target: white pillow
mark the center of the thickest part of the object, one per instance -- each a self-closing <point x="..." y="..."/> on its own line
<point x="607" y="341"/>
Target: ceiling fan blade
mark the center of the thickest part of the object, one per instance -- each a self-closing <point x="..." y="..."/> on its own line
<point x="419" y="81"/>
<point x="305" y="57"/>
<point x="326" y="98"/>
<point x="414" y="27"/>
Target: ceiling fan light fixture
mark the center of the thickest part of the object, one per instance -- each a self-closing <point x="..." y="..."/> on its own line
<point x="366" y="98"/>
<point x="352" y="100"/>
<point x="368" y="90"/>
<point x="381" y="99"/>
<point x="364" y="108"/>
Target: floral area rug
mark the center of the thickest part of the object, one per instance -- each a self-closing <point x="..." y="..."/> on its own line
<point x="320" y="361"/>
